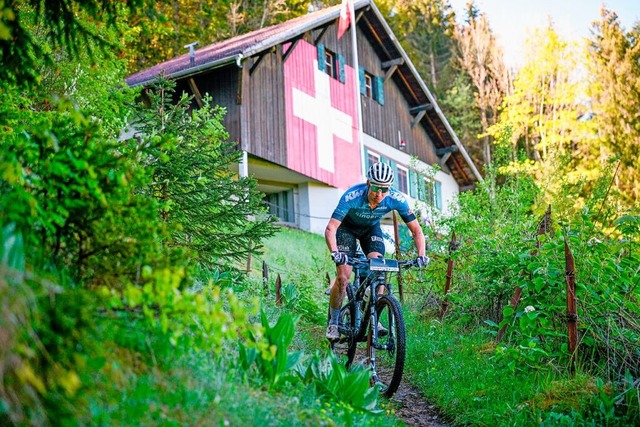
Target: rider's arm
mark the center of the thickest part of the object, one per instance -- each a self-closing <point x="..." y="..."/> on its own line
<point x="330" y="234"/>
<point x="418" y="236"/>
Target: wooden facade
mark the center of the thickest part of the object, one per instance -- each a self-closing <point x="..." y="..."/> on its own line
<point x="253" y="77"/>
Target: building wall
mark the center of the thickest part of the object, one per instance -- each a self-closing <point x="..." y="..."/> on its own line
<point x="222" y="86"/>
<point x="449" y="186"/>
<point x="322" y="200"/>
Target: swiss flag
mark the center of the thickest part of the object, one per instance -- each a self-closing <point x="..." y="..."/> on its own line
<point x="345" y="17"/>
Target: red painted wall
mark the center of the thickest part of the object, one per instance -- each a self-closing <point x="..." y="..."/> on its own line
<point x="321" y="120"/>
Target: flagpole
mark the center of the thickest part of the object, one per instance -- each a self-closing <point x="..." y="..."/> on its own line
<point x="354" y="45"/>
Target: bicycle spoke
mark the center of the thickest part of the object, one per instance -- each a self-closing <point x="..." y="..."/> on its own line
<point x="344" y="349"/>
<point x="389" y="347"/>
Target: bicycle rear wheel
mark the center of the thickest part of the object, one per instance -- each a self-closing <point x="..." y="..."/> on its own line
<point x="390" y="349"/>
<point x="345" y="348"/>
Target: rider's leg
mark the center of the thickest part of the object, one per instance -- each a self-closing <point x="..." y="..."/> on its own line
<point x="373" y="245"/>
<point x="338" y="291"/>
<point x="346" y="243"/>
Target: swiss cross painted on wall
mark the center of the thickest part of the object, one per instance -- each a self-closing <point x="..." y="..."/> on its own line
<point x="321" y="120"/>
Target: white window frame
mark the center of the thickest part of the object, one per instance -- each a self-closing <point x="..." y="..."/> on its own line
<point x="405" y="181"/>
<point x="368" y="85"/>
<point x="329" y="63"/>
<point x="371" y="155"/>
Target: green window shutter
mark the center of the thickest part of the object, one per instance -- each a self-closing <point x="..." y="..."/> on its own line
<point x="321" y="64"/>
<point x="394" y="167"/>
<point x="437" y="187"/>
<point x="341" y="75"/>
<point x="367" y="161"/>
<point x="379" y="90"/>
<point x="413" y="184"/>
<point x="363" y="90"/>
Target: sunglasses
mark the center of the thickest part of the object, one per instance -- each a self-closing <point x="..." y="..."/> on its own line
<point x="376" y="188"/>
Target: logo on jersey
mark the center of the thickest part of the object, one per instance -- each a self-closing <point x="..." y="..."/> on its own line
<point x="396" y="195"/>
<point x="353" y="195"/>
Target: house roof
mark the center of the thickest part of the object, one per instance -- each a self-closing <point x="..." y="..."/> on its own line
<point x="377" y="31"/>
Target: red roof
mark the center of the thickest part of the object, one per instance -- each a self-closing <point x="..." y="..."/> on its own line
<point x="229" y="50"/>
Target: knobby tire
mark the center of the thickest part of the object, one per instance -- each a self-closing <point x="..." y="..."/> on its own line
<point x="345" y="348"/>
<point x="390" y="362"/>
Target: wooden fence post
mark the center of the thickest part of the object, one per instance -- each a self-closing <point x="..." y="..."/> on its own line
<point x="453" y="245"/>
<point x="544" y="227"/>
<point x="396" y="236"/>
<point x="572" y="314"/>
<point x="278" y="290"/>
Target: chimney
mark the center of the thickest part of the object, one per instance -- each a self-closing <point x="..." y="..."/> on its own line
<point x="192" y="51"/>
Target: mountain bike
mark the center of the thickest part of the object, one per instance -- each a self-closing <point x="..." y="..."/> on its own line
<point x="374" y="316"/>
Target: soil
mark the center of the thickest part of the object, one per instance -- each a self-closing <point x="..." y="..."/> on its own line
<point x="409" y="404"/>
<point x="413" y="409"/>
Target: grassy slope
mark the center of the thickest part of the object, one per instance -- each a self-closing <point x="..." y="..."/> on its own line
<point x="144" y="381"/>
<point x="455" y="367"/>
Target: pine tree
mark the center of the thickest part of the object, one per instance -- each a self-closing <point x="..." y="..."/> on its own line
<point x="210" y="210"/>
<point x="615" y="95"/>
<point x="425" y="30"/>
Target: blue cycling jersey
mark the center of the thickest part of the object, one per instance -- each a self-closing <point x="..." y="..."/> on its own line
<point x="353" y="207"/>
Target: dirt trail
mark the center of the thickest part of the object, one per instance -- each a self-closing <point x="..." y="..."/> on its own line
<point x="409" y="404"/>
<point x="413" y="409"/>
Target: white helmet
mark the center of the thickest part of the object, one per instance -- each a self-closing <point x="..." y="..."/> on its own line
<point x="380" y="173"/>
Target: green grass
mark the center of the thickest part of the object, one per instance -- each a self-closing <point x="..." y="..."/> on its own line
<point x="458" y="371"/>
<point x="140" y="379"/>
<point x="456" y="366"/>
<point x="143" y="380"/>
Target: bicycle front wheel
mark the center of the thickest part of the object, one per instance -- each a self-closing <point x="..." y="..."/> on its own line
<point x="390" y="347"/>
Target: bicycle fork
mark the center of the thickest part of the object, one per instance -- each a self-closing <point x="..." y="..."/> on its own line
<point x="372" y="340"/>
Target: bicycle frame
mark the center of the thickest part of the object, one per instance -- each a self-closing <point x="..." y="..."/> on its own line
<point x="382" y="266"/>
<point x="359" y="321"/>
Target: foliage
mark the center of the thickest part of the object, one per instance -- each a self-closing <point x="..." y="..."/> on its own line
<point x="614" y="89"/>
<point x="456" y="369"/>
<point x="272" y="359"/>
<point x="481" y="59"/>
<point x="68" y="187"/>
<point x="65" y="23"/>
<point x="334" y="381"/>
<point x="425" y="29"/>
<point x="46" y="340"/>
<point x="211" y="211"/>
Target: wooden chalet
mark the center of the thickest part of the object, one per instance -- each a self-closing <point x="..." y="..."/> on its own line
<point x="310" y="116"/>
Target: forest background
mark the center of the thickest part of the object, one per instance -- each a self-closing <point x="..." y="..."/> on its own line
<point x="120" y="256"/>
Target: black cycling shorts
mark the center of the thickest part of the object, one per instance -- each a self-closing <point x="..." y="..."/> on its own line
<point x="371" y="239"/>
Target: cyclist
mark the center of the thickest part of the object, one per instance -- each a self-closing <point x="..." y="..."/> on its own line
<point x="357" y="218"/>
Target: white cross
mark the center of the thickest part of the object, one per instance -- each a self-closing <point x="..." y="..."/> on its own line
<point x="329" y="121"/>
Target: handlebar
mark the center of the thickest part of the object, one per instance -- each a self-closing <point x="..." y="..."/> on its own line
<point x="381" y="264"/>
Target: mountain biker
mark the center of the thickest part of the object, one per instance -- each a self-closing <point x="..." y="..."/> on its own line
<point x="357" y="217"/>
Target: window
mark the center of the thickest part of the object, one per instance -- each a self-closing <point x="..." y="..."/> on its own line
<point x="281" y="205"/>
<point x="329" y="66"/>
<point x="371" y="159"/>
<point x="331" y="63"/>
<point x="368" y="85"/>
<point x="431" y="193"/>
<point x="371" y="86"/>
<point x="423" y="190"/>
<point x="402" y="180"/>
<point x="437" y="195"/>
